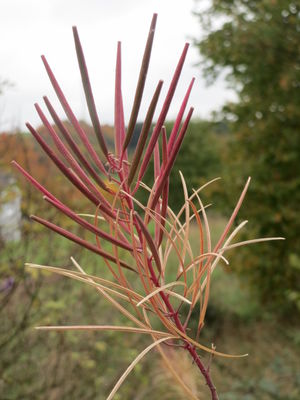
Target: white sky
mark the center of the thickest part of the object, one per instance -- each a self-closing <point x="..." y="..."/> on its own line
<point x="29" y="28"/>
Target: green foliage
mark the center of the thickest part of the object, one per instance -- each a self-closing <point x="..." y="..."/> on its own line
<point x="256" y="44"/>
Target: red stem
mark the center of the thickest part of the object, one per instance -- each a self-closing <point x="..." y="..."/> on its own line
<point x="190" y="348"/>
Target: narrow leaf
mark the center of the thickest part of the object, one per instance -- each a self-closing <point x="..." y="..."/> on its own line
<point x="78" y="240"/>
<point x="89" y="93"/>
<point x="84" y="277"/>
<point x="144" y="133"/>
<point x="90" y="227"/>
<point x="166" y="171"/>
<point x="149" y="241"/>
<point x="34" y="182"/>
<point x="68" y="156"/>
<point x="119" y="114"/>
<point x="128" y="329"/>
<point x="163" y="288"/>
<point x="72" y="117"/>
<point x="71" y="177"/>
<point x="163" y="113"/>
<point x="112" y="300"/>
<point x="233" y="216"/>
<point x="165" y="193"/>
<point x="141" y="84"/>
<point x="251" y="241"/>
<point x="179" y="118"/>
<point x="228" y="240"/>
<point x="133" y="364"/>
<point x="60" y="165"/>
<point x="71" y="142"/>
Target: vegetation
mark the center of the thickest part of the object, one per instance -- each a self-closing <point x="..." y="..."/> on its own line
<point x="142" y="239"/>
<point x="85" y="365"/>
<point x="256" y="45"/>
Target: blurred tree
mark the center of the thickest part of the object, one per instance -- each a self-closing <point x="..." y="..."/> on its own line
<point x="256" y="45"/>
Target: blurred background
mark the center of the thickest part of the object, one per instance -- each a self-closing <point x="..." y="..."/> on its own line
<point x="245" y="56"/>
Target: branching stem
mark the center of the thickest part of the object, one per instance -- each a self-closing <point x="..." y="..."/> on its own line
<point x="191" y="349"/>
<point x="174" y="315"/>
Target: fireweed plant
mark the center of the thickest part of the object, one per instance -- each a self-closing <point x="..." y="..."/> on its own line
<point x="147" y="233"/>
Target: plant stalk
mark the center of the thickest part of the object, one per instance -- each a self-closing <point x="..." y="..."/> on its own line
<point x="191" y="349"/>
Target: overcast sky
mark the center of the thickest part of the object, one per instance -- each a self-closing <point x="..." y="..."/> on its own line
<point x="29" y="28"/>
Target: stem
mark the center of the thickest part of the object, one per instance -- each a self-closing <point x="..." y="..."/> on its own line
<point x="191" y="349"/>
<point x="204" y="372"/>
